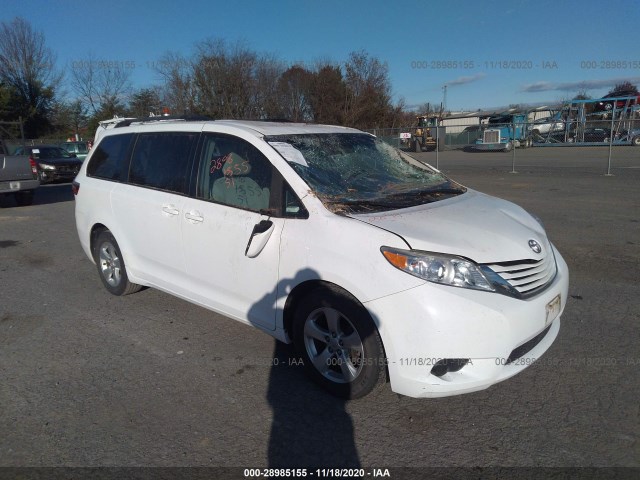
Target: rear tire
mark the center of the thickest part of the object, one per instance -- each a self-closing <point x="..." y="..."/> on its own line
<point x="339" y="343"/>
<point x="636" y="141"/>
<point x="111" y="267"/>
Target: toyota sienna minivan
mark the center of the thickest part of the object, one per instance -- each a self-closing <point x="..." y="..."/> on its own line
<point x="375" y="265"/>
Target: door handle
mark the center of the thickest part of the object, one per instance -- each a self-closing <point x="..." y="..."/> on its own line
<point x="261" y="233"/>
<point x="194" y="216"/>
<point x="170" y="209"/>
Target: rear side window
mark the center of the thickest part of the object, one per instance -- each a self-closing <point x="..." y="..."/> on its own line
<point x="110" y="159"/>
<point x="162" y="160"/>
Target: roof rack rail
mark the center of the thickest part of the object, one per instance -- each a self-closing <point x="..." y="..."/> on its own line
<point x="276" y="120"/>
<point x="159" y="118"/>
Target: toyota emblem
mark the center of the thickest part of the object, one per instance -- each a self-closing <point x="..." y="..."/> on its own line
<point x="535" y="246"/>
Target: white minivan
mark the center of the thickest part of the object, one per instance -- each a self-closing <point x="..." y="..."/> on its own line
<point x="375" y="265"/>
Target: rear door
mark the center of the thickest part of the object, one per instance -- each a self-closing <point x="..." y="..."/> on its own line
<point x="149" y="208"/>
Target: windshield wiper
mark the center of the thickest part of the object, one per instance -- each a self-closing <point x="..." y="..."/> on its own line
<point x="428" y="192"/>
<point x="375" y="202"/>
<point x="362" y="206"/>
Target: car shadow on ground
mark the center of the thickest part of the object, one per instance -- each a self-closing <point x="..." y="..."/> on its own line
<point x="45" y="194"/>
<point x="310" y="427"/>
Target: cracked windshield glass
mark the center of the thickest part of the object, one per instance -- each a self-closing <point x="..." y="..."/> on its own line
<point x="357" y="173"/>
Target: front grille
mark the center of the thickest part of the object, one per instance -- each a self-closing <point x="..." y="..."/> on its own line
<point x="66" y="170"/>
<point x="526" y="276"/>
<point x="491" y="136"/>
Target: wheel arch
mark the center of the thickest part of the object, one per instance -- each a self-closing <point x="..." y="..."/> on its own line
<point x="303" y="289"/>
<point x="96" y="230"/>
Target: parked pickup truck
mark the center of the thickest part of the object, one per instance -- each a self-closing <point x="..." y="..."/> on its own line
<point x="18" y="176"/>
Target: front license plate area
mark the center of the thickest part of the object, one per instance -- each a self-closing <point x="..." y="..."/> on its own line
<point x="552" y="310"/>
<point x="14" y="185"/>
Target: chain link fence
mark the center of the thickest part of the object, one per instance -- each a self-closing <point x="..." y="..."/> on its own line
<point x="516" y="136"/>
<point x="504" y="136"/>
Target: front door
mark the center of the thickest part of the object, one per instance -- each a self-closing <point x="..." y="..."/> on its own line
<point x="231" y="242"/>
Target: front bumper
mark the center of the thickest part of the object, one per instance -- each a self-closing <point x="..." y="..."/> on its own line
<point x="486" y="147"/>
<point x="431" y="322"/>
<point x="55" y="175"/>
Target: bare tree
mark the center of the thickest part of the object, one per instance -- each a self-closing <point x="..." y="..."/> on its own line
<point x="178" y="88"/>
<point x="368" y="91"/>
<point x="265" y="89"/>
<point x="103" y="85"/>
<point x="70" y="117"/>
<point x="624" y="89"/>
<point x="27" y="69"/>
<point x="327" y="94"/>
<point x="294" y="88"/>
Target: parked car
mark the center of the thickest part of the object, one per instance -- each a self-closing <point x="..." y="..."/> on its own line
<point x="595" y="135"/>
<point x="18" y="176"/>
<point x="546" y="125"/>
<point x="607" y="105"/>
<point x="81" y="149"/>
<point x="372" y="263"/>
<point x="53" y="163"/>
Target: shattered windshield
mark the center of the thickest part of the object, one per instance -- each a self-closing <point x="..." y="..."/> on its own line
<point x="356" y="172"/>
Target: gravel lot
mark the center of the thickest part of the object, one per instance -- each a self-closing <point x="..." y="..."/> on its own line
<point x="88" y="379"/>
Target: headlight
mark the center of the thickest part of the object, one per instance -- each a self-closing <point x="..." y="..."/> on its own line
<point x="438" y="268"/>
<point x="46" y="166"/>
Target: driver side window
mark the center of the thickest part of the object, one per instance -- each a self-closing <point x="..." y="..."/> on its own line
<point x="233" y="172"/>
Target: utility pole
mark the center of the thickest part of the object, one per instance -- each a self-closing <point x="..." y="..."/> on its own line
<point x="444" y="98"/>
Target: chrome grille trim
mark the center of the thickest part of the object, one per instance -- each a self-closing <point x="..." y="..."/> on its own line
<point x="526" y="276"/>
<point x="491" y="136"/>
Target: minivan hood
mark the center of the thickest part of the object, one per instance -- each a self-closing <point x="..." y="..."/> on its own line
<point x="482" y="228"/>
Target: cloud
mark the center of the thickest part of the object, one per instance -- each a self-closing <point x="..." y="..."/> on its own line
<point x="465" y="80"/>
<point x="582" y="85"/>
<point x="538" y="87"/>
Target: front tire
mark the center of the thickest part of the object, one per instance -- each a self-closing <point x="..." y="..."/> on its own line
<point x="339" y="343"/>
<point x="636" y="141"/>
<point x="111" y="267"/>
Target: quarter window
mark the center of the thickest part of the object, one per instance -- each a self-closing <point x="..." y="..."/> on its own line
<point x="110" y="159"/>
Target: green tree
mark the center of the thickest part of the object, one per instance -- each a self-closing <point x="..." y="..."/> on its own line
<point x="144" y="102"/>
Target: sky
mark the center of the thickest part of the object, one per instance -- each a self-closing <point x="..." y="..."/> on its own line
<point x="488" y="53"/>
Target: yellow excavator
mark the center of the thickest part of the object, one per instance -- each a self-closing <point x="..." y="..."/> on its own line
<point x="422" y="138"/>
